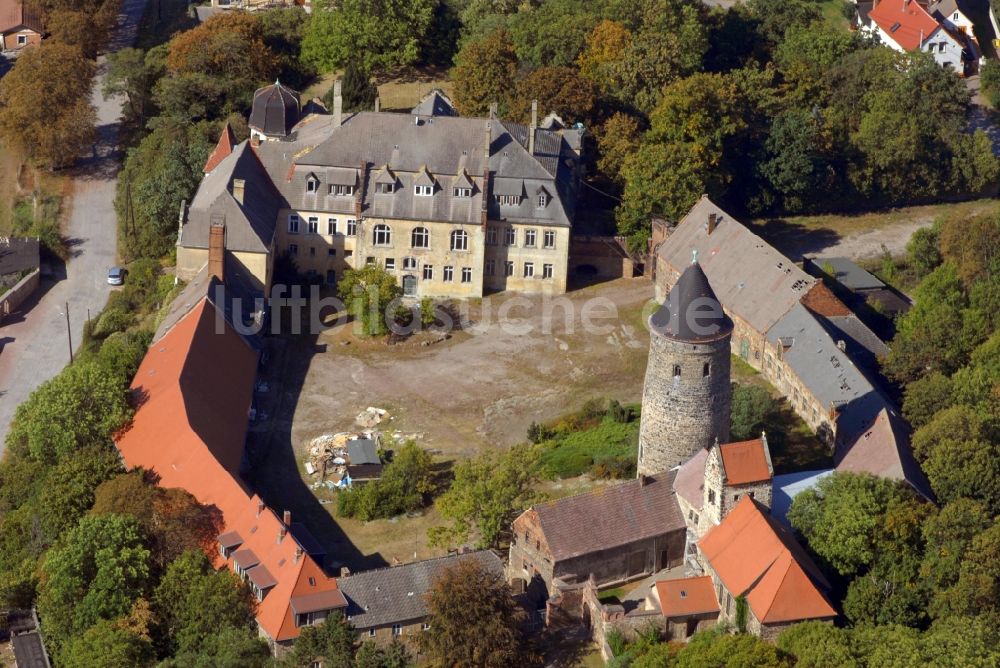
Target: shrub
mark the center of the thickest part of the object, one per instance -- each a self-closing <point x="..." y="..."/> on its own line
<point x="750" y="406"/>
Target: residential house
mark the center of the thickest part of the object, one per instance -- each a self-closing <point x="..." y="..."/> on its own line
<point x="794" y="330"/>
<point x="20" y="25"/>
<point x="688" y="605"/>
<point x="389" y="603"/>
<point x="451" y="206"/>
<point x="615" y="534"/>
<point x="907" y="25"/>
<point x="194" y="389"/>
<point x="749" y="557"/>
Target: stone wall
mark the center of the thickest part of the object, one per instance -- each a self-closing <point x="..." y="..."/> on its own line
<point x="608" y="256"/>
<point x="681" y="414"/>
<point x="529" y="556"/>
<point x="626" y="562"/>
<point x="13" y="298"/>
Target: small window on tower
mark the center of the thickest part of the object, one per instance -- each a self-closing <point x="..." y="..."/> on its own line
<point x="706" y="369"/>
<point x="677" y="371"/>
<point x="711" y="496"/>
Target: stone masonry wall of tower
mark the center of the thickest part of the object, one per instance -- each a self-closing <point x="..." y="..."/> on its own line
<point x="681" y="414"/>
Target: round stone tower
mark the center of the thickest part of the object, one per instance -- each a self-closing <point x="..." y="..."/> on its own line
<point x="686" y="396"/>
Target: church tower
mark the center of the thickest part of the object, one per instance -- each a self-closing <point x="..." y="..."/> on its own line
<point x="686" y="395"/>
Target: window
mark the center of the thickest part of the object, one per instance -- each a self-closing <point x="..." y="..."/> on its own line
<point x="383" y="188"/>
<point x="706" y="369"/>
<point x="449" y="273"/>
<point x="312" y="251"/>
<point x="348" y="253"/>
<point x="369" y="260"/>
<point x="381" y="235"/>
<point x="509" y="236"/>
<point x="22" y="40"/>
<point x="491" y="267"/>
<point x="425" y="627"/>
<point x="459" y="240"/>
<point x="543" y="199"/>
<point x="331" y="277"/>
<point x="331" y="252"/>
<point x="466" y="274"/>
<point x="428" y="272"/>
<point x="293" y="224"/>
<point x="549" y="239"/>
<point x="529" y="269"/>
<point x="423" y="191"/>
<point x="508" y="200"/>
<point x="331" y="226"/>
<point x="729" y="604"/>
<point x="312" y="184"/>
<point x="529" y="238"/>
<point x="491" y="236"/>
<point x="397" y="629"/>
<point x="390" y="263"/>
<point x="508" y="268"/>
<point x="352" y="228"/>
<point x="409" y="263"/>
<point x="293" y="249"/>
<point x="463" y="192"/>
<point x="677" y="371"/>
<point x="955" y="16"/>
<point x="546" y="271"/>
<point x="420" y="237"/>
<point x="736" y="497"/>
<point x="711" y="496"/>
<point x="342" y="191"/>
<point x="371" y="633"/>
<point x="313" y="225"/>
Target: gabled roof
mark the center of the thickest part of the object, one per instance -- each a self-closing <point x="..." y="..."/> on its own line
<point x="756" y="557"/>
<point x="435" y="103"/>
<point x="685" y="597"/>
<point x="746" y="461"/>
<point x="906" y="22"/>
<point x="193" y="392"/>
<point x="609" y="517"/>
<point x="225" y="145"/>
<point x="16" y="14"/>
<point x="882" y="449"/>
<point x="750" y="277"/>
<point x="689" y="481"/>
<point x="396" y="595"/>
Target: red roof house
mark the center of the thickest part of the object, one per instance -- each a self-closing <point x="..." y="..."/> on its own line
<point x="193" y="392"/>
<point x="906" y="22"/>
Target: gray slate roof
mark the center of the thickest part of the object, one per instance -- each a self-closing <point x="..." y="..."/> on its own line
<point x="275" y="110"/>
<point x="362" y="451"/>
<point x="396" y="595"/>
<point x="848" y="273"/>
<point x="18" y="254"/>
<point x="435" y="103"/>
<point x="749" y="276"/>
<point x="249" y="226"/>
<point x="691" y="312"/>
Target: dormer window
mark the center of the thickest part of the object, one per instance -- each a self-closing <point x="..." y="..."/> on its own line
<point x="312" y="184"/>
<point x="423" y="191"/>
<point x="342" y="191"/>
<point x="508" y="200"/>
<point x="384" y="188"/>
<point x="543" y="200"/>
<point x="463" y="192"/>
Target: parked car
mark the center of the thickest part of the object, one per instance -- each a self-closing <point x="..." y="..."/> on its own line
<point x="116" y="276"/>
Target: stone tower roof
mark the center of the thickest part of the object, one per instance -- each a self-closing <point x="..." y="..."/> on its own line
<point x="691" y="312"/>
<point x="275" y="110"/>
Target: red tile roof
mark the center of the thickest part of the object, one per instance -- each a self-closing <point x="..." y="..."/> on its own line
<point x="756" y="557"/>
<point x="745" y="462"/>
<point x="14" y="14"/>
<point x="227" y="140"/>
<point x="906" y="22"/>
<point x="687" y="596"/>
<point x="194" y="389"/>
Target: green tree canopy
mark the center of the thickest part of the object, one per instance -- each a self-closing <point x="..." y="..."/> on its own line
<point x="484" y="73"/>
<point x="368" y="293"/>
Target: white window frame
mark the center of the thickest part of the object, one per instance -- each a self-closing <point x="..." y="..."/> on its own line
<point x="293" y="223"/>
<point x="397" y="630"/>
<point x="342" y="191"/>
<point x="293" y="250"/>
<point x="508" y="200"/>
<point x="491" y="236"/>
<point x="390" y="264"/>
<point x="22" y="40"/>
<point x="463" y="192"/>
<point x="530" y="237"/>
<point x="547" y="271"/>
<point x="384" y="188"/>
<point x="543" y="201"/>
<point x="382" y="235"/>
<point x="428" y="273"/>
<point x="459" y="240"/>
<point x="491" y="267"/>
<point x="312" y="225"/>
<point x="423" y="191"/>
<point x="312" y="185"/>
<point x="352" y="227"/>
<point x="529" y="270"/>
<point x="508" y="268"/>
<point x="331" y="226"/>
<point x="449" y="273"/>
<point x="509" y="236"/>
<point x="466" y="274"/>
<point x="409" y="263"/>
<point x="424" y="234"/>
<point x="549" y="239"/>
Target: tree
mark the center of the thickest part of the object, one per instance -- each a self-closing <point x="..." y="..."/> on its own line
<point x="974" y="246"/>
<point x="195" y="602"/>
<point x="484" y="73"/>
<point x="97" y="572"/>
<point x="486" y="493"/>
<point x="616" y="140"/>
<point x="473" y="620"/>
<point x="922" y="250"/>
<point x="750" y="407"/>
<point x="778" y="19"/>
<point x="977" y="590"/>
<point x="557" y="89"/>
<point x="227" y="648"/>
<point x="841" y="518"/>
<point x="394" y="655"/>
<point x="331" y="642"/>
<point x="131" y="74"/>
<point x="965" y="468"/>
<point x="989" y="79"/>
<point x="947" y="536"/>
<point x="715" y="648"/>
<point x="406" y="485"/>
<point x="81" y="406"/>
<point x="605" y="46"/>
<point x="817" y="645"/>
<point x="551" y="33"/>
<point x="78" y="29"/>
<point x="368" y="293"/>
<point x="384" y="34"/>
<point x="798" y="168"/>
<point x="960" y="423"/>
<point x="356" y="90"/>
<point x="58" y="74"/>
<point x="925" y="396"/>
<point x="69" y="488"/>
<point x="106" y="645"/>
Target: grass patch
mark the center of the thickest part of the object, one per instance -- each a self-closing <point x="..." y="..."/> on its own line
<point x="834" y="13"/>
<point x="598" y="441"/>
<point x="612" y="595"/>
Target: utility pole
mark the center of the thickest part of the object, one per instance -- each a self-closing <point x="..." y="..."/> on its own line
<point x="69" y="335"/>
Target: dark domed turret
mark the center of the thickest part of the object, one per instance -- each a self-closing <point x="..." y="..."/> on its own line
<point x="691" y="312"/>
<point x="275" y="111"/>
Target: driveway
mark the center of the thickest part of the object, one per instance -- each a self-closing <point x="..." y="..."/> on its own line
<point x="33" y="342"/>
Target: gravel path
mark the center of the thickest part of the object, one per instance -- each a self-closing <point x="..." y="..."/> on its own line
<point x="33" y="342"/>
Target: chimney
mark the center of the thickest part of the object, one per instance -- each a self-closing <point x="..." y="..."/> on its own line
<point x="713" y="222"/>
<point x="217" y="249"/>
<point x="488" y="140"/>
<point x="282" y="532"/>
<point x="378" y="104"/>
<point x="533" y="127"/>
<point x="286" y="517"/>
<point x="842" y="345"/>
<point x="239" y="186"/>
<point x="484" y="212"/>
<point x="338" y="104"/>
<point x="643" y="480"/>
<point x="359" y="194"/>
<point x="260" y="507"/>
<point x="298" y="554"/>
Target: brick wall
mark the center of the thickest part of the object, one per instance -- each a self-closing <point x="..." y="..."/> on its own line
<point x="13" y="298"/>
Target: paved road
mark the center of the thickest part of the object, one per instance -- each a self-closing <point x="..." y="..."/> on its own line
<point x="33" y="342"/>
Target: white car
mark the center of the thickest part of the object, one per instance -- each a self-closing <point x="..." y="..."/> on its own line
<point x="116" y="276"/>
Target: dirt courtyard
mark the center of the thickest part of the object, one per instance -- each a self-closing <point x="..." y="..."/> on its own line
<point x="485" y="384"/>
